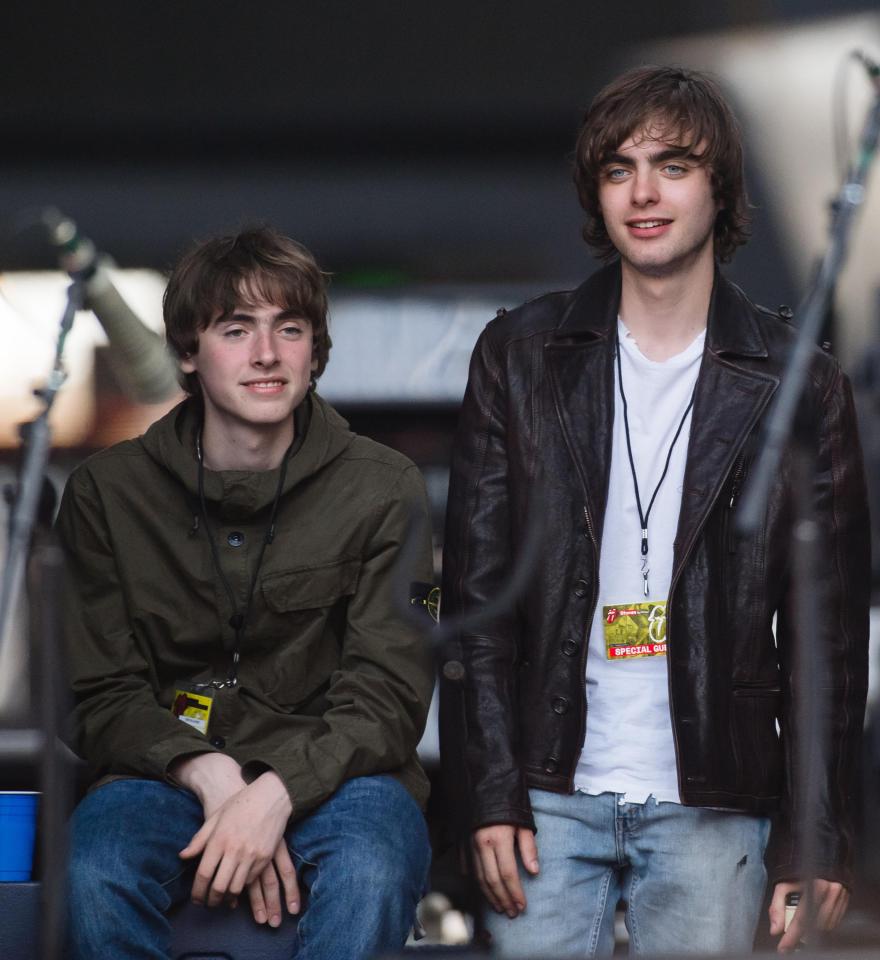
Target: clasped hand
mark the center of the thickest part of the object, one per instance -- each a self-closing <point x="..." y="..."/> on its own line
<point x="241" y="844"/>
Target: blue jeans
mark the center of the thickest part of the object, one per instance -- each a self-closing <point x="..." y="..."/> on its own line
<point x="693" y="879"/>
<point x="362" y="861"/>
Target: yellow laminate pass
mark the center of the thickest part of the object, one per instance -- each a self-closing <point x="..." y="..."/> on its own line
<point x="635" y="630"/>
<point x="193" y="708"/>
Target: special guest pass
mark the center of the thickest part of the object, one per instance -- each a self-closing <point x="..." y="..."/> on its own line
<point x="635" y="630"/>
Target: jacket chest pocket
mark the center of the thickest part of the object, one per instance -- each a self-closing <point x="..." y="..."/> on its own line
<point x="302" y="628"/>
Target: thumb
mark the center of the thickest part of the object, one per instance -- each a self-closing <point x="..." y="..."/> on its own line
<point x="197" y="844"/>
<point x="528" y="849"/>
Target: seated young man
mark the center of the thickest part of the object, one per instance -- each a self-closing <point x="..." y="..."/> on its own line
<point x="249" y="691"/>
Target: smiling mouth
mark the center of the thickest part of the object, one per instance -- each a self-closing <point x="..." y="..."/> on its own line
<point x="267" y="385"/>
<point x="647" y="224"/>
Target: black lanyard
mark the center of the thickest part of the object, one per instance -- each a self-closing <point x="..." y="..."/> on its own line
<point x="643" y="517"/>
<point x="238" y="620"/>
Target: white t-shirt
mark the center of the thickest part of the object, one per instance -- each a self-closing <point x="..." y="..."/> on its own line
<point x="628" y="746"/>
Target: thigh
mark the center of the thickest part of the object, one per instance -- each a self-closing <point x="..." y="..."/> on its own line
<point x="696" y="880"/>
<point x="124" y="871"/>
<point x="570" y="903"/>
<point x="133" y="828"/>
<point x="363" y="859"/>
<point x="368" y="819"/>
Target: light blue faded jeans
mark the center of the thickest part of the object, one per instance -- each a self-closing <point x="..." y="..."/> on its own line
<point x="693" y="879"/>
<point x="362" y="861"/>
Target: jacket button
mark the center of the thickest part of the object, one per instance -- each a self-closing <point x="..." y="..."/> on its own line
<point x="570" y="647"/>
<point x="453" y="670"/>
<point x="581" y="588"/>
<point x="785" y="311"/>
<point x="235" y="539"/>
<point x="560" y="705"/>
<point x="551" y="764"/>
<point x="218" y="742"/>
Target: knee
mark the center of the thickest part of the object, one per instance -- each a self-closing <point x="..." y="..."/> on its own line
<point x="393" y="872"/>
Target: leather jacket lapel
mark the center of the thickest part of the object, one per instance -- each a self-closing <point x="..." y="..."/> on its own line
<point x="730" y="398"/>
<point x="582" y="382"/>
<point x="728" y="402"/>
<point x="579" y="360"/>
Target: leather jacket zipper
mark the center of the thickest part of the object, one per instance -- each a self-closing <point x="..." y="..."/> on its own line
<point x="586" y="645"/>
<point x="735" y="488"/>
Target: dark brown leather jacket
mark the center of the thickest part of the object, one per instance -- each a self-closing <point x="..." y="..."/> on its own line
<point x="534" y="446"/>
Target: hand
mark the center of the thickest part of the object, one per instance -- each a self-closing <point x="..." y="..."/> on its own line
<point x="830" y="902"/>
<point x="212" y="777"/>
<point x="239" y="840"/>
<point x="495" y="865"/>
<point x="264" y="892"/>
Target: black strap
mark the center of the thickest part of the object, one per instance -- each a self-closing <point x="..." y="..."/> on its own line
<point x="643" y="516"/>
<point x="239" y="619"/>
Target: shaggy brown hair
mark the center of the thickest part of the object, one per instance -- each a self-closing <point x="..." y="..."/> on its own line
<point x="258" y="264"/>
<point x="678" y="106"/>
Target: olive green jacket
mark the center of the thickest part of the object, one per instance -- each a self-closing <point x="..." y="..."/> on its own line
<point x="335" y="677"/>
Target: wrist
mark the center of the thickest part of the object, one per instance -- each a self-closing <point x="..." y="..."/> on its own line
<point x="207" y="775"/>
<point x="271" y="785"/>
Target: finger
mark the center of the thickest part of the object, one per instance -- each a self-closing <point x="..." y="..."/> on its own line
<point x="839" y="912"/>
<point x="508" y="875"/>
<point x="258" y="904"/>
<point x="198" y="842"/>
<point x="272" y="894"/>
<point x="287" y="873"/>
<point x="488" y="892"/>
<point x="241" y="877"/>
<point x="528" y="850"/>
<point x="204" y="876"/>
<point x="791" y="938"/>
<point x="831" y="903"/>
<point x="222" y="882"/>
<point x="496" y="871"/>
<point x="776" y="910"/>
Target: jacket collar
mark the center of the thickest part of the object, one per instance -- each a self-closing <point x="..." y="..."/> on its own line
<point x="171" y="442"/>
<point x="731" y="326"/>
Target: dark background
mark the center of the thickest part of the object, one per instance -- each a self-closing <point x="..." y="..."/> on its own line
<point x="399" y="140"/>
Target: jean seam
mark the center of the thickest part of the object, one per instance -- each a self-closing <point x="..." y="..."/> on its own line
<point x="600" y="913"/>
<point x="631" y="913"/>
<point x="304" y="913"/>
<point x="173" y="879"/>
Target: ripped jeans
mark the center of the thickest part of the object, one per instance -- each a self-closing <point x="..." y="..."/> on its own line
<point x="693" y="879"/>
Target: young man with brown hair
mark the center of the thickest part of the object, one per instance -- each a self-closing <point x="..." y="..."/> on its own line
<point x="249" y="690"/>
<point x="627" y="706"/>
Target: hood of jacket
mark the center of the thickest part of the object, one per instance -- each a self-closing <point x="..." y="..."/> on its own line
<point x="321" y="435"/>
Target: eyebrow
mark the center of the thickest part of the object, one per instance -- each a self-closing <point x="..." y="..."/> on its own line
<point x="661" y="156"/>
<point x="242" y="316"/>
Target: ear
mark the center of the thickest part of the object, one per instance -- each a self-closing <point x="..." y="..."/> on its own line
<point x="187" y="364"/>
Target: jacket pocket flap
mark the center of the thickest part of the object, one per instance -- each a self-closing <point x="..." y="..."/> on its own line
<point x="310" y="589"/>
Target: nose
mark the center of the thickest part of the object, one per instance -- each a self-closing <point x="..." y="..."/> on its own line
<point x="263" y="352"/>
<point x="644" y="188"/>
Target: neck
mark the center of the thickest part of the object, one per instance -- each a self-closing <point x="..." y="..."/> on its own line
<point x="247" y="448"/>
<point x="665" y="314"/>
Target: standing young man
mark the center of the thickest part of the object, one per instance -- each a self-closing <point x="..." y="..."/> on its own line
<point x="249" y="692"/>
<point x="627" y="706"/>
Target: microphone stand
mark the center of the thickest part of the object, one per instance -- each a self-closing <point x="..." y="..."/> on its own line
<point x="810" y="653"/>
<point x="40" y="745"/>
<point x="37" y="438"/>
